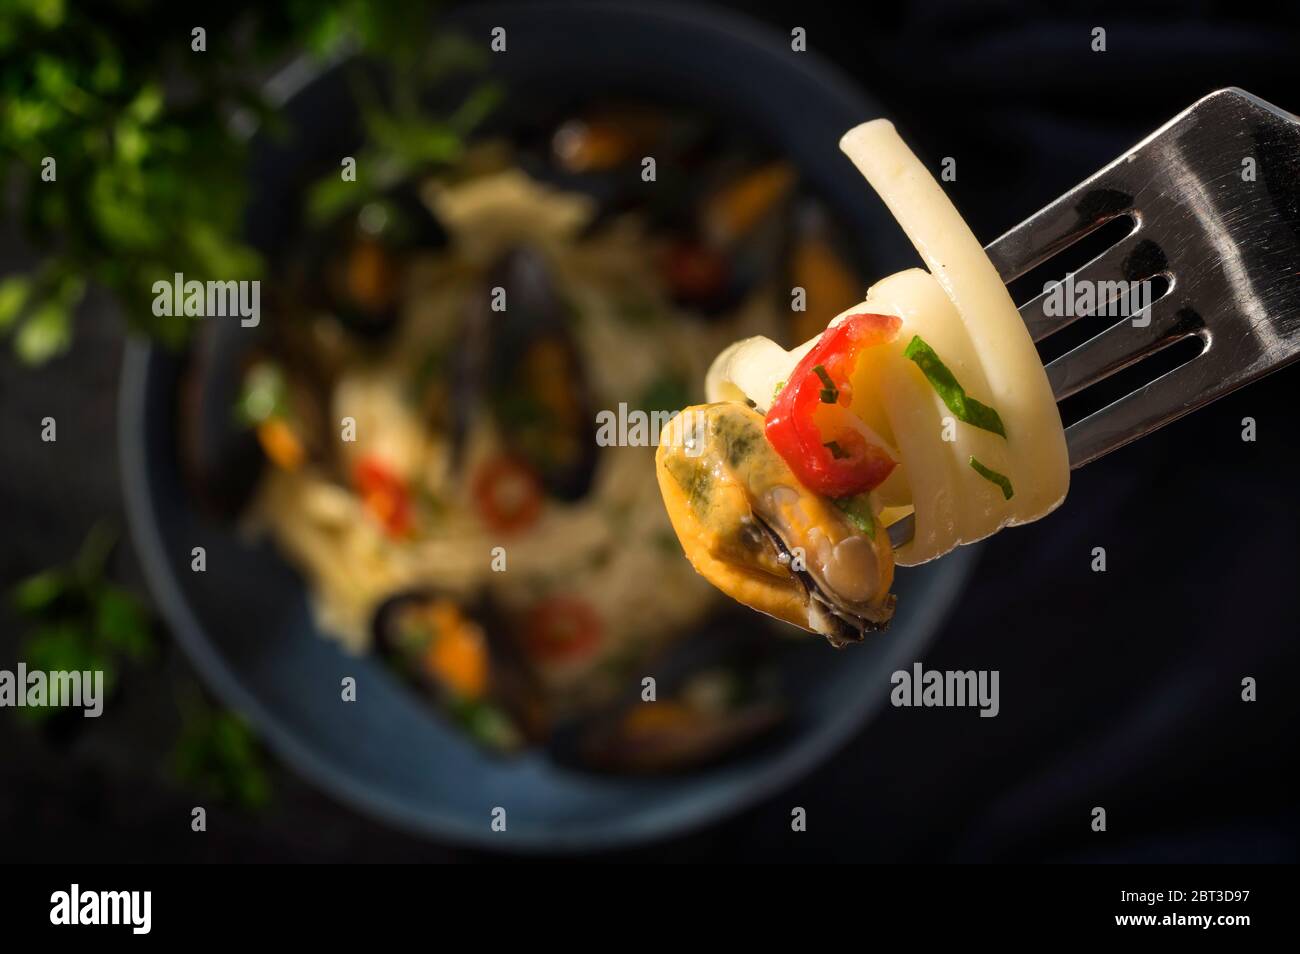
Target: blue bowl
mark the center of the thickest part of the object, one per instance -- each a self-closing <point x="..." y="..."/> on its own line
<point x="245" y="622"/>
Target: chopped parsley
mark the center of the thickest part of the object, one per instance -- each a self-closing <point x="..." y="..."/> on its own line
<point x="994" y="477"/>
<point x="857" y="510"/>
<point x="830" y="393"/>
<point x="839" y="453"/>
<point x="264" y="394"/>
<point x="962" y="405"/>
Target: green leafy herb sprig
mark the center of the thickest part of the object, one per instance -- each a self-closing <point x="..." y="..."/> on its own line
<point x="954" y="396"/>
<point x="77" y="620"/>
<point x="149" y="174"/>
<point x="218" y="754"/>
<point x="403" y="137"/>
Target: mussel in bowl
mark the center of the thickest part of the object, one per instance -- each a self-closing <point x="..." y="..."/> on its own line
<point x="353" y="268"/>
<point x="454" y="653"/>
<point x="519" y="362"/>
<point x="710" y="696"/>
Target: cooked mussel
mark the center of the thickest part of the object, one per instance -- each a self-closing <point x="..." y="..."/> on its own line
<point x="816" y="263"/>
<point x="354" y="266"/>
<point x="717" y="692"/>
<point x="219" y="456"/>
<point x="751" y="529"/>
<point x="737" y="233"/>
<point x="519" y="360"/>
<point x="455" y="652"/>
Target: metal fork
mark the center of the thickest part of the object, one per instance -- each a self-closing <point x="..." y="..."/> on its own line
<point x="1227" y="242"/>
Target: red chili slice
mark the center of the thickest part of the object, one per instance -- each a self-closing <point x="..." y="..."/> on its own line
<point x="384" y="494"/>
<point x="809" y="425"/>
<point x="562" y="627"/>
<point x="507" y="494"/>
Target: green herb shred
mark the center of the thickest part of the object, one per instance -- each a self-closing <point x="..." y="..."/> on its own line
<point x="994" y="477"/>
<point x="836" y="451"/>
<point x="263" y="395"/>
<point x="965" y="407"/>
<point x="830" y="393"/>
<point x="857" y="510"/>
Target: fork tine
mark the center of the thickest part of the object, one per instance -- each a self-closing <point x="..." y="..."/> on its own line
<point x="1232" y="249"/>
<point x="1120" y="345"/>
<point x="1105" y="195"/>
<point x="1137" y="414"/>
<point x="1129" y="259"/>
<point x="1084" y="209"/>
<point x="1132" y="416"/>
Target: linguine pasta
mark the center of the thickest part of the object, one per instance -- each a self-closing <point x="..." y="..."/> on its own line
<point x="962" y="312"/>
